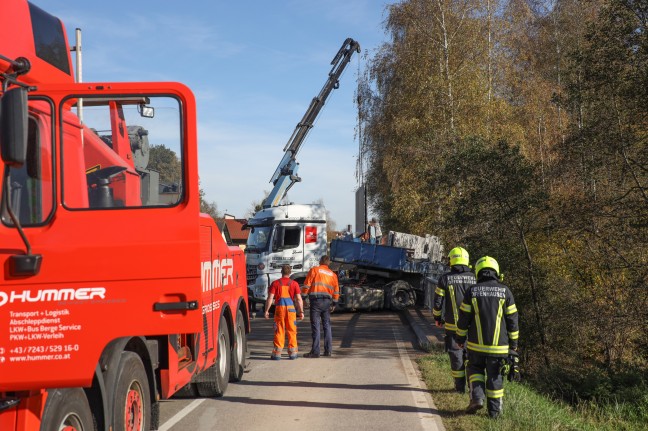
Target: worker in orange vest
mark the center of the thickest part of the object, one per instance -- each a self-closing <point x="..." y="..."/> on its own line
<point x="286" y="292"/>
<point x="321" y="286"/>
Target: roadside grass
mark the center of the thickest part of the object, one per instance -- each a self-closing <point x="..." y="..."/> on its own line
<point x="524" y="409"/>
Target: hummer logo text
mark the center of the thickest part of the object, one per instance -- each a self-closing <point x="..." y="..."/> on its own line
<point x="216" y="274"/>
<point x="52" y="295"/>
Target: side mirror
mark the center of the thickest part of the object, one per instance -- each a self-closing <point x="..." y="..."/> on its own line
<point x="13" y="126"/>
<point x="146" y="111"/>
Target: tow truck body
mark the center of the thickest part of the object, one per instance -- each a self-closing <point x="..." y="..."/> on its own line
<point x="116" y="291"/>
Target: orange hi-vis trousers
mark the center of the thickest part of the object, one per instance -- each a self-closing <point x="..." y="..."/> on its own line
<point x="285" y="323"/>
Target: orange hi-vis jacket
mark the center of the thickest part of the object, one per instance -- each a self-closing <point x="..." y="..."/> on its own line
<point x="321" y="282"/>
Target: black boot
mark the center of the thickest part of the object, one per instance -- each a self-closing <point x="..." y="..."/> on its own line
<point x="474" y="406"/>
<point x="460" y="386"/>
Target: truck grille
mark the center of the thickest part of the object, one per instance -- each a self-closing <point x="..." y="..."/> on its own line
<point x="251" y="272"/>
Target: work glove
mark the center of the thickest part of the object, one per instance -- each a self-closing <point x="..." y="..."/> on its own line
<point x="514" y="366"/>
<point x="439" y="322"/>
<point x="460" y="340"/>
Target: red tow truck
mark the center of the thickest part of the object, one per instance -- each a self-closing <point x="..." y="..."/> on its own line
<point x="115" y="291"/>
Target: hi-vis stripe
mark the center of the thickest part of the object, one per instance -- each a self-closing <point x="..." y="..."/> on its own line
<point x="514" y="335"/>
<point x="322" y="284"/>
<point x="481" y="348"/>
<point x="480" y="338"/>
<point x="511" y="309"/>
<point x="454" y="303"/>
<point x="439" y="291"/>
<point x="465" y="307"/>
<point x="458" y="374"/>
<point x="498" y="322"/>
<point x="497" y="393"/>
<point x="476" y="378"/>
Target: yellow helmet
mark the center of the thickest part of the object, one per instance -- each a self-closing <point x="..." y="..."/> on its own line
<point x="486" y="262"/>
<point x="458" y="256"/>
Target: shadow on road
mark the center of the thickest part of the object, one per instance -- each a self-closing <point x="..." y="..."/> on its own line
<point x="323" y="405"/>
<point x="310" y="384"/>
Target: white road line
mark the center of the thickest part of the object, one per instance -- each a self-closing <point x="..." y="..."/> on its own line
<point x="180" y="415"/>
<point x="429" y="420"/>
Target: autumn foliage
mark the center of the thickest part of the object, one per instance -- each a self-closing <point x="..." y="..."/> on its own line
<point x="519" y="129"/>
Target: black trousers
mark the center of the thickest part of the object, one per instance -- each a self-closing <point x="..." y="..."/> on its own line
<point x="457" y="365"/>
<point x="320" y="313"/>
<point x="485" y="380"/>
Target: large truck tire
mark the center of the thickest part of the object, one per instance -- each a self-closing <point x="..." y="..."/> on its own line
<point x="239" y="349"/>
<point x="132" y="397"/>
<point x="213" y="381"/>
<point x="399" y="295"/>
<point x="67" y="409"/>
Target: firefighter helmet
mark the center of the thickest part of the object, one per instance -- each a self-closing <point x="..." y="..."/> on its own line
<point x="486" y="262"/>
<point x="458" y="256"/>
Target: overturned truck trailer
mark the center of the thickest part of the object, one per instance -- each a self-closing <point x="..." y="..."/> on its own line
<point x="392" y="276"/>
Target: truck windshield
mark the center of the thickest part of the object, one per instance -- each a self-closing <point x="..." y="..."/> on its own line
<point x="259" y="238"/>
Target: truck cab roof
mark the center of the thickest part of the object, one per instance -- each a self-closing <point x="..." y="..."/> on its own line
<point x="313" y="213"/>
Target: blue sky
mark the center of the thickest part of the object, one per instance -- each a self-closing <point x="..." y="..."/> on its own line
<point x="254" y="67"/>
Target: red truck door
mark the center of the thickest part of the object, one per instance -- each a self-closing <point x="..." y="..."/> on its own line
<point x="109" y="199"/>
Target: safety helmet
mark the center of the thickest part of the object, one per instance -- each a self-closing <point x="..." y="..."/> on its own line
<point x="458" y="256"/>
<point x="486" y="262"/>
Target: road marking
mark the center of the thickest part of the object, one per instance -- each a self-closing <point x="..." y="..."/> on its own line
<point x="429" y="421"/>
<point x="180" y="415"/>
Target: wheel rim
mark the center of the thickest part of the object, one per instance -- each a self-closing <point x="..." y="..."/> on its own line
<point x="72" y="422"/>
<point x="401" y="299"/>
<point x="239" y="343"/>
<point x="134" y="408"/>
<point x="222" y="354"/>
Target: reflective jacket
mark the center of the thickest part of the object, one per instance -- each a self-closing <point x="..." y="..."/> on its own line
<point x="321" y="282"/>
<point x="450" y="292"/>
<point x="488" y="317"/>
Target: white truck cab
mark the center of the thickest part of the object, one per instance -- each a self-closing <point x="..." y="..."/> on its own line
<point x="285" y="234"/>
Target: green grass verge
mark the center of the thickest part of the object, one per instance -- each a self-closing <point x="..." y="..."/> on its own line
<point x="524" y="409"/>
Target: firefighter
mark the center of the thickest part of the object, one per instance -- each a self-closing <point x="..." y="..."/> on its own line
<point x="321" y="286"/>
<point x="287" y="293"/>
<point x="488" y="319"/>
<point x="447" y="299"/>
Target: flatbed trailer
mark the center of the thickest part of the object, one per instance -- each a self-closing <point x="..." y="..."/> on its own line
<point x="375" y="276"/>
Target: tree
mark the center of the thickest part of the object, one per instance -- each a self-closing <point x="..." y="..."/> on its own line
<point x="502" y="207"/>
<point x="168" y="164"/>
<point x="256" y="205"/>
<point x="208" y="207"/>
<point x="520" y="128"/>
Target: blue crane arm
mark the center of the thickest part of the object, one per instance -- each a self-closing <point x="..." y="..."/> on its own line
<point x="285" y="176"/>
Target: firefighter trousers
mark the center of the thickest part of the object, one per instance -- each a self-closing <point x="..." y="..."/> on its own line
<point x="285" y="324"/>
<point x="485" y="380"/>
<point x="457" y="362"/>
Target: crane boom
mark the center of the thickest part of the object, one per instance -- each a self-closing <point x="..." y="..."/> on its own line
<point x="285" y="175"/>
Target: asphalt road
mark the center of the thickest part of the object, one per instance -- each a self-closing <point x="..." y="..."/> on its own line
<point x="370" y="383"/>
